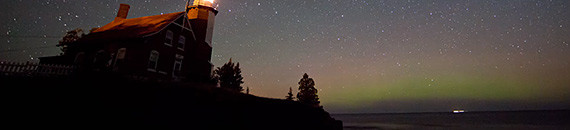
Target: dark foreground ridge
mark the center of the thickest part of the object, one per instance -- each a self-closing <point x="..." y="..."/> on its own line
<point x="112" y="103"/>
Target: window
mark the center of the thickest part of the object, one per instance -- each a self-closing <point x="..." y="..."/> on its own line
<point x="102" y="59"/>
<point x="177" y="65"/>
<point x="169" y="36"/>
<point x="120" y="58"/>
<point x="153" y="60"/>
<point x="121" y="53"/>
<point x="181" y="42"/>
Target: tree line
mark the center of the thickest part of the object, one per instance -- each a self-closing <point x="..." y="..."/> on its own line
<point x="229" y="77"/>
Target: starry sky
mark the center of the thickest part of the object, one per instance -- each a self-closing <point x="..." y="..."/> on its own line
<point x="364" y="55"/>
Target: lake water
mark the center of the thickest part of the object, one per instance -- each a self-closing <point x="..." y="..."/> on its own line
<point x="519" y="120"/>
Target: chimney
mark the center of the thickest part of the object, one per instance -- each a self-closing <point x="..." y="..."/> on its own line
<point x="123" y="12"/>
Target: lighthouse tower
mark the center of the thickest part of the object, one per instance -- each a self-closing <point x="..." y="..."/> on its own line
<point x="201" y="15"/>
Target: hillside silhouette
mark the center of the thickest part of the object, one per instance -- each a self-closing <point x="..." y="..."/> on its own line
<point x="107" y="102"/>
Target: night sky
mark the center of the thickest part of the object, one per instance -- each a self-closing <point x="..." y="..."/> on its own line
<point x="365" y="56"/>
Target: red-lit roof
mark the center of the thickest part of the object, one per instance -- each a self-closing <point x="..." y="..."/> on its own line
<point x="136" y="27"/>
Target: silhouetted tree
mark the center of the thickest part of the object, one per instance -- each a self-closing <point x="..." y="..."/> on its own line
<point x="229" y="76"/>
<point x="307" y="91"/>
<point x="290" y="95"/>
<point x="69" y="39"/>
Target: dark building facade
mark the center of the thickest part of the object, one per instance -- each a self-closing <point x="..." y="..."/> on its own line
<point x="174" y="46"/>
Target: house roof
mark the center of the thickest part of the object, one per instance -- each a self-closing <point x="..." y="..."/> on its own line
<point x="135" y="27"/>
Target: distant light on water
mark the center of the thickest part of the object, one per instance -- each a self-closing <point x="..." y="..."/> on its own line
<point x="458" y="111"/>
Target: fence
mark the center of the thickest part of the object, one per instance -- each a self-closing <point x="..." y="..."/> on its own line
<point x="34" y="69"/>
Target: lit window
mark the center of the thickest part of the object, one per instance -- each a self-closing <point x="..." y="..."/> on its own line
<point x="181" y="42"/>
<point x="169" y="38"/>
<point x="153" y="60"/>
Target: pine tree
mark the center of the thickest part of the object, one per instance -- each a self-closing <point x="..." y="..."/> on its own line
<point x="290" y="95"/>
<point x="307" y="91"/>
<point x="229" y="76"/>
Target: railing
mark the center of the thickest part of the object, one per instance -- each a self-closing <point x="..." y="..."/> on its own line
<point x="34" y="69"/>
